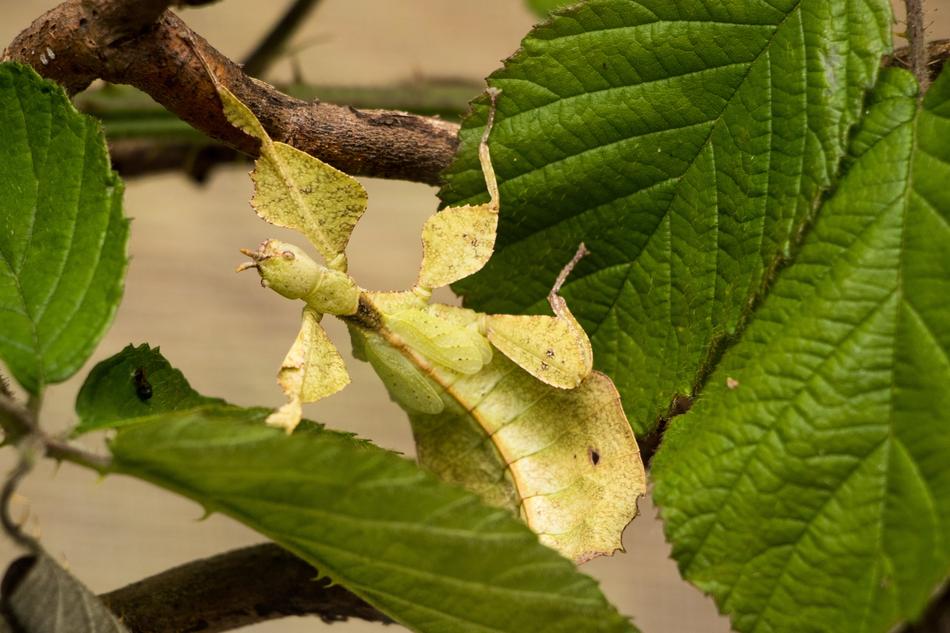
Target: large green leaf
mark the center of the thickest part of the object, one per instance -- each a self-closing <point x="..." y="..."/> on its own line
<point x="685" y="142"/>
<point x="428" y="554"/>
<point x="814" y="495"/>
<point x="62" y="234"/>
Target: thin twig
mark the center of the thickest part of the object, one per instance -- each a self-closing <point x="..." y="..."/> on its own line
<point x="34" y="403"/>
<point x="64" y="451"/>
<point x="13" y="529"/>
<point x="19" y="425"/>
<point x="16" y="420"/>
<point x="271" y="47"/>
<point x="916" y="36"/>
<point x="938" y="52"/>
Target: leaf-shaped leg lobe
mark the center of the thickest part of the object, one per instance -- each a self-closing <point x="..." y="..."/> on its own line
<point x="312" y="370"/>
<point x="555" y="350"/>
<point x="295" y="190"/>
<point x="459" y="241"/>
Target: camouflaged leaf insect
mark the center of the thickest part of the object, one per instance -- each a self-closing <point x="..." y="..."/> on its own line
<point x="543" y="436"/>
<point x="564" y="460"/>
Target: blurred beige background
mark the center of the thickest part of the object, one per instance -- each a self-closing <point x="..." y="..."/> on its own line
<point x="228" y="335"/>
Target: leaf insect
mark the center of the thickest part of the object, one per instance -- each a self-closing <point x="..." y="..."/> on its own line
<point x="517" y="426"/>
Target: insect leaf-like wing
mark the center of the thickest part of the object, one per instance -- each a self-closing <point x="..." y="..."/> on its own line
<point x="404" y="381"/>
<point x="457" y="347"/>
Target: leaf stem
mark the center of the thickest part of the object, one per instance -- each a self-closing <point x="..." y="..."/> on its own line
<point x="916" y="36"/>
<point x="34" y="403"/>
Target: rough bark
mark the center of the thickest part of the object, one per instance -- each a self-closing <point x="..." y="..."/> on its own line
<point x="138" y="43"/>
<point x="231" y="590"/>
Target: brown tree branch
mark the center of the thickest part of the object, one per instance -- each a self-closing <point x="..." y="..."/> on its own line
<point x="231" y="590"/>
<point x="82" y="40"/>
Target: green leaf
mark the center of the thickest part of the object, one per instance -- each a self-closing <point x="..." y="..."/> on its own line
<point x="62" y="234"/>
<point x="113" y="395"/>
<point x="683" y="142"/>
<point x="808" y="489"/>
<point x="42" y="597"/>
<point x="428" y="554"/>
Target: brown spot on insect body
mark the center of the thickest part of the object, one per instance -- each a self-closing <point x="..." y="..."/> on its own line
<point x="594" y="456"/>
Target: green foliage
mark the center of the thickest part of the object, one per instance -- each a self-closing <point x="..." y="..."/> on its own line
<point x="62" y="234"/>
<point x="42" y="597"/>
<point x="764" y="235"/>
<point x="685" y="143"/>
<point x="112" y="394"/>
<point x="815" y="494"/>
<point x="428" y="554"/>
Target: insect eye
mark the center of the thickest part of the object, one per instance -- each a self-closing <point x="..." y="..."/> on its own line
<point x="288" y="255"/>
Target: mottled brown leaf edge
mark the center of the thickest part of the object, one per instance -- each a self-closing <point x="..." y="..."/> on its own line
<point x="140" y="43"/>
<point x="232" y="590"/>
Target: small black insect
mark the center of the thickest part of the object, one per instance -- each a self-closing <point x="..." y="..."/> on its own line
<point x="143" y="388"/>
